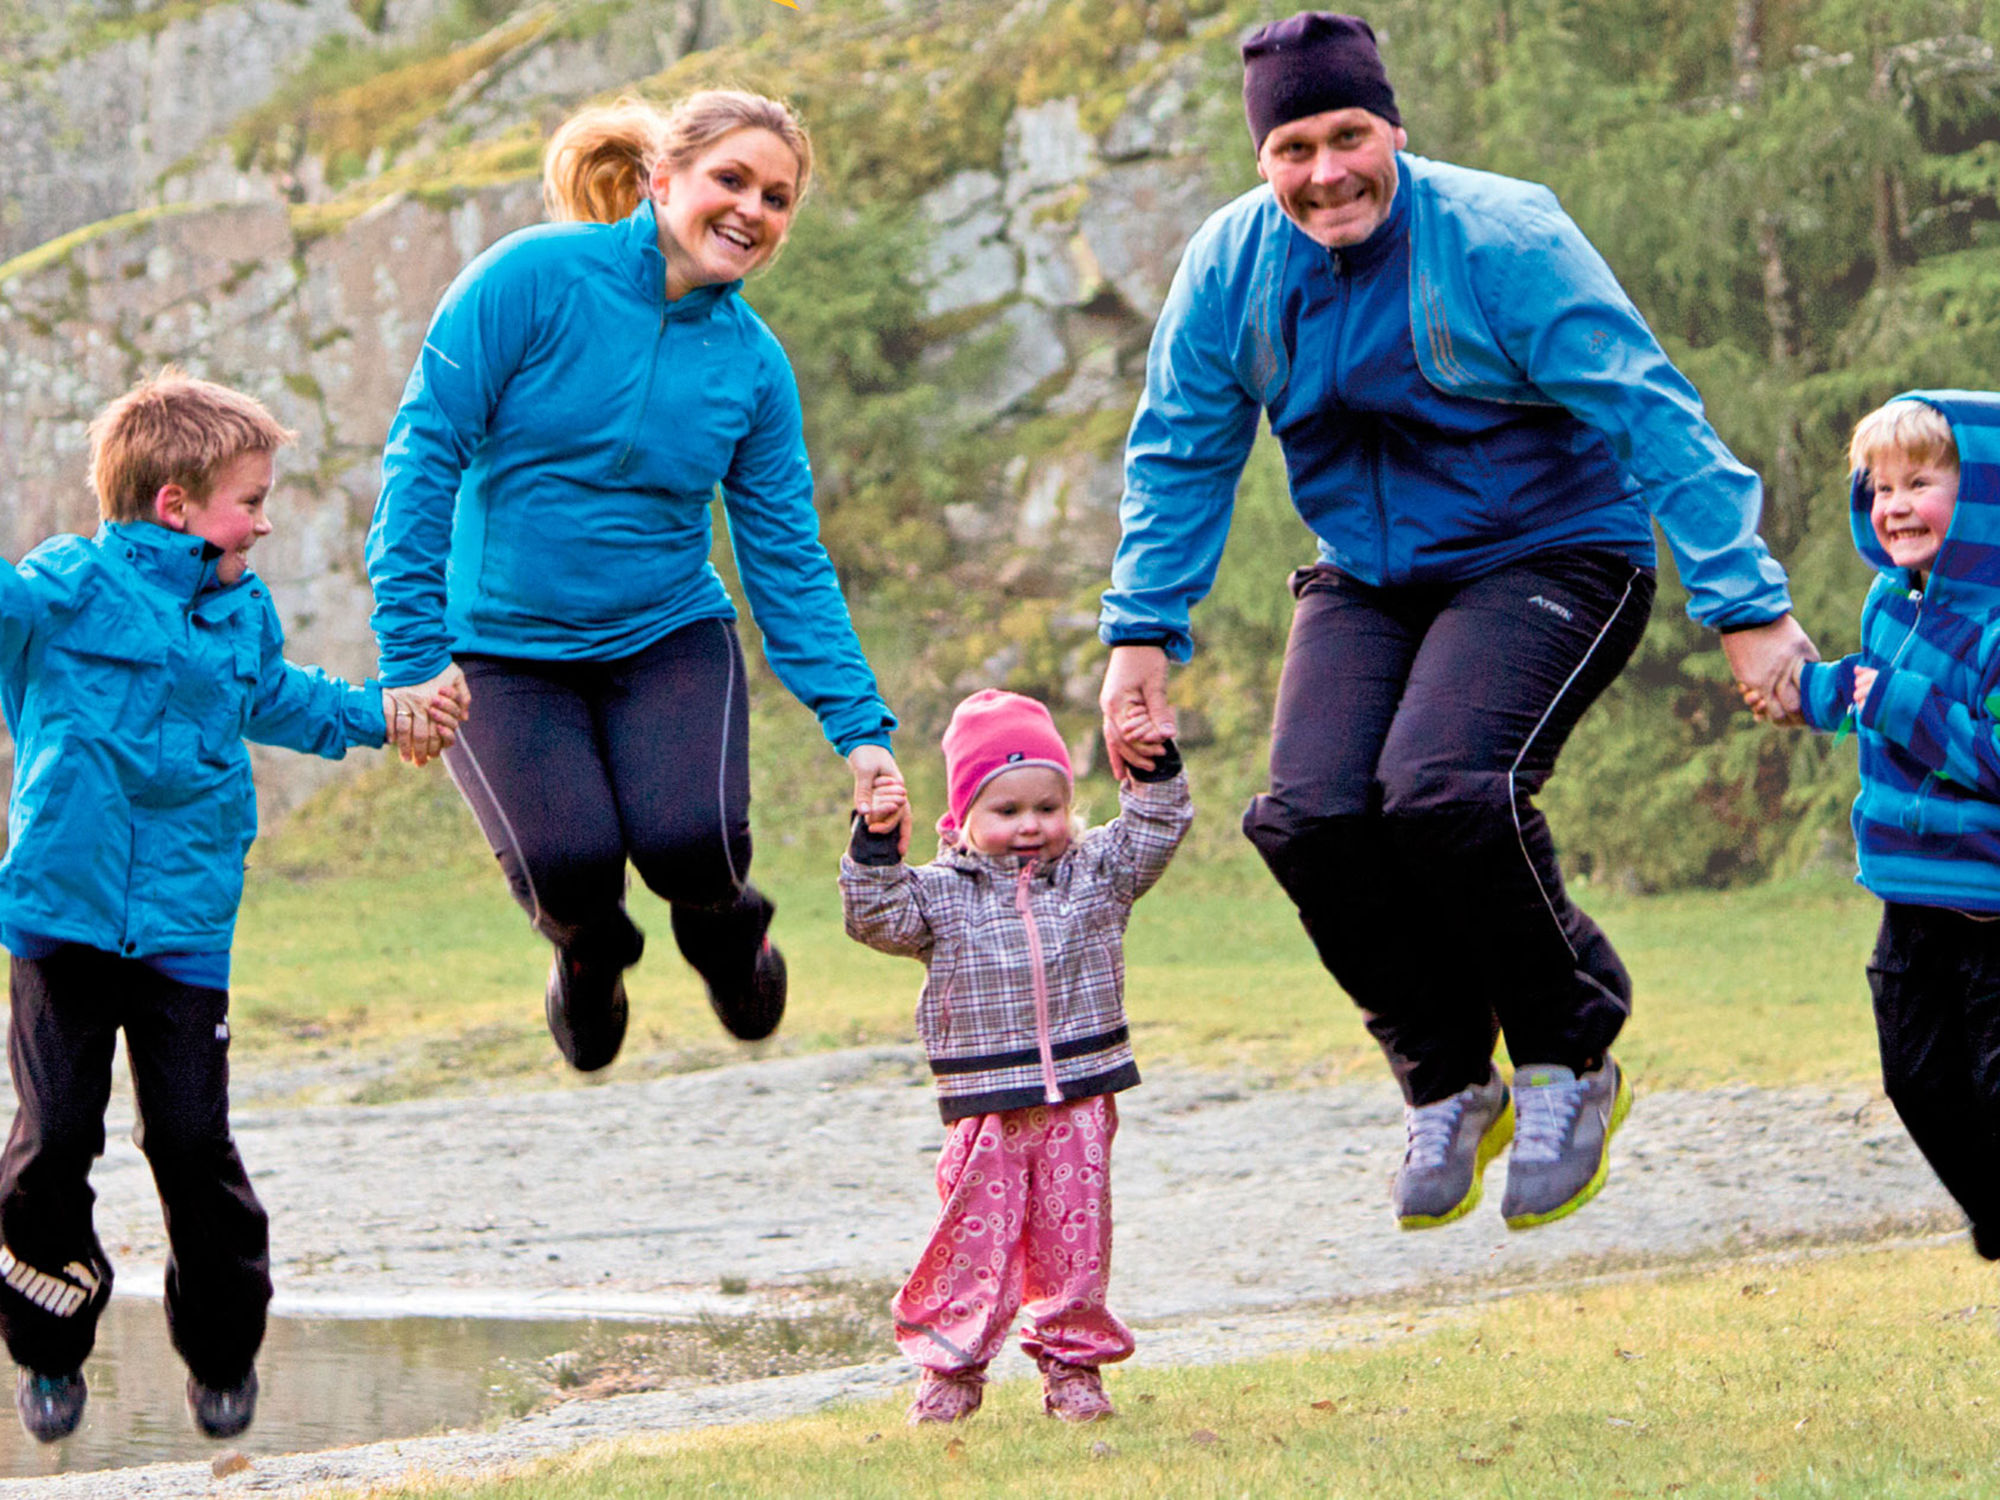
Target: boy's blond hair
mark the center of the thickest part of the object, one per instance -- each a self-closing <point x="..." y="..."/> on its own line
<point x="1916" y="431"/>
<point x="598" y="163"/>
<point x="173" y="429"/>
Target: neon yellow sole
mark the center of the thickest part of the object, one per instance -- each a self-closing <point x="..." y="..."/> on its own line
<point x="1621" y="1106"/>
<point x="1491" y="1144"/>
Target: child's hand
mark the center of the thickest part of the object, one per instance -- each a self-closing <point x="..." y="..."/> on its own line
<point x="879" y="794"/>
<point x="423" y="718"/>
<point x="1864" y="683"/>
<point x="1770" y="707"/>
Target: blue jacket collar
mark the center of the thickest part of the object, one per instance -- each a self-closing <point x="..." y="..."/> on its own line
<point x="1964" y="572"/>
<point x="181" y="564"/>
<point x="639" y="237"/>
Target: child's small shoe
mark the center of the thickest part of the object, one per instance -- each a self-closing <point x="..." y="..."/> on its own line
<point x="1073" y="1392"/>
<point x="50" y="1406"/>
<point x="947" y="1396"/>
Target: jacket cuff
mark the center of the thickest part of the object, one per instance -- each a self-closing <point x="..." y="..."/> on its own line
<point x="1166" y="765"/>
<point x="866" y="847"/>
<point x="1826" y="691"/>
<point x="363" y="722"/>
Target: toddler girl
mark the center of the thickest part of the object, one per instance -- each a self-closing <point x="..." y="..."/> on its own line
<point x="1020" y="921"/>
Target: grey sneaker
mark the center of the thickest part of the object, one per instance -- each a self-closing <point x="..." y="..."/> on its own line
<point x="1562" y="1139"/>
<point x="50" y="1405"/>
<point x="1450" y="1144"/>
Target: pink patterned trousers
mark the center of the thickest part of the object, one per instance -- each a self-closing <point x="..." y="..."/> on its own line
<point x="1026" y="1220"/>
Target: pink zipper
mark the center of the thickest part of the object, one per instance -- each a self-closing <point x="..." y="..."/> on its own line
<point x="1051" y="1089"/>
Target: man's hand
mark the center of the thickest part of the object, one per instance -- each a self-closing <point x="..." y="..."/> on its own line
<point x="1766" y="660"/>
<point x="1138" y="720"/>
<point x="879" y="794"/>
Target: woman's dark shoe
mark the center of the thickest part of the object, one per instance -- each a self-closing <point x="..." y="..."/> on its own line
<point x="744" y="972"/>
<point x="50" y="1405"/>
<point x="222" y="1411"/>
<point x="585" y="1006"/>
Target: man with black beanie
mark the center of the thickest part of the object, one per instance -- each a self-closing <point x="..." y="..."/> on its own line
<point x="1480" y="430"/>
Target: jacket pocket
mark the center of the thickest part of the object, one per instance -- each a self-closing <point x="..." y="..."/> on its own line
<point x="934" y="1010"/>
<point x="105" y="678"/>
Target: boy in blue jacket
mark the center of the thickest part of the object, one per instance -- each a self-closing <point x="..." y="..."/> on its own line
<point x="133" y="665"/>
<point x="1921" y="698"/>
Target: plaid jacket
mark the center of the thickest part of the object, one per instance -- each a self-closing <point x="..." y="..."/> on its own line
<point x="1025" y="999"/>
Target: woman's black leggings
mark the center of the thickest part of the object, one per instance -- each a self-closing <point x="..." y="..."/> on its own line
<point x="573" y="768"/>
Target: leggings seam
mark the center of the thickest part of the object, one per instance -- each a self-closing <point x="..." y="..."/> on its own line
<point x="490" y="801"/>
<point x="722" y="760"/>
<point x="1513" y="771"/>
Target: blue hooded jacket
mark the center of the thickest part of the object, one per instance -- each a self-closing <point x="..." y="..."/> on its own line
<point x="130" y="678"/>
<point x="1927" y="822"/>
<point x="1507" y="303"/>
<point x="547" y="480"/>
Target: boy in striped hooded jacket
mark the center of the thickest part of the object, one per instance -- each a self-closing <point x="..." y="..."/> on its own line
<point x="1020" y="921"/>
<point x="1922" y="697"/>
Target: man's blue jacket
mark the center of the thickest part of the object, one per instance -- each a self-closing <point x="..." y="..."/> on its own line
<point x="130" y="678"/>
<point x="547" y="480"/>
<point x="1509" y="303"/>
<point x="1927" y="822"/>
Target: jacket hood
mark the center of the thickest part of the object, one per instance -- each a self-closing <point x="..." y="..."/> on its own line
<point x="1966" y="572"/>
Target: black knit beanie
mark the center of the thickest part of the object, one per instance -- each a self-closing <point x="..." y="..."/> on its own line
<point x="1308" y="64"/>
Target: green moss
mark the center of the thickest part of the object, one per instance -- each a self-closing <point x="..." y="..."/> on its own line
<point x="301" y="384"/>
<point x="110" y="30"/>
<point x="314" y="221"/>
<point x="56" y="251"/>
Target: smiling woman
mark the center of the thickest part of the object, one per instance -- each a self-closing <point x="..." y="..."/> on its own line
<point x="542" y="539"/>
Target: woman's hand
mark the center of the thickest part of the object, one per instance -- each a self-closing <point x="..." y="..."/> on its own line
<point x="879" y="794"/>
<point x="423" y="718"/>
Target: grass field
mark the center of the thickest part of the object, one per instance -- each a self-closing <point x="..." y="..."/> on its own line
<point x="409" y="957"/>
<point x="1861" y="1373"/>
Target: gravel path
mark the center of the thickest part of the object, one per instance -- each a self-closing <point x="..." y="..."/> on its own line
<point x="1246" y="1216"/>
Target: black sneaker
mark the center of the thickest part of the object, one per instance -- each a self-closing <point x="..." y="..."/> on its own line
<point x="50" y="1405"/>
<point x="222" y="1412"/>
<point x="585" y="1006"/>
<point x="744" y="972"/>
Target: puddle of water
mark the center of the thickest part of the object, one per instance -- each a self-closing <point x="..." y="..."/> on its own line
<point x="327" y="1383"/>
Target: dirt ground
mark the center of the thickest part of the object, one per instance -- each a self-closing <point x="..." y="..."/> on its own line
<point x="1248" y="1220"/>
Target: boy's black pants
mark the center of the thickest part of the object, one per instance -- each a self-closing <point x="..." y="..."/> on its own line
<point x="1935" y="975"/>
<point x="67" y="1010"/>
<point x="1414" y="727"/>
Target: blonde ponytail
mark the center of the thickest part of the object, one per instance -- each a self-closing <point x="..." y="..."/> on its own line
<point x="596" y="165"/>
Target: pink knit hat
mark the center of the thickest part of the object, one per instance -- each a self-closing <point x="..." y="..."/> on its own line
<point x="991" y="732"/>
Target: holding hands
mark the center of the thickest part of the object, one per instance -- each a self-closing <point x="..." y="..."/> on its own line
<point x="423" y="718"/>
<point x="1766" y="661"/>
<point x="879" y="794"/>
<point x="1138" y="720"/>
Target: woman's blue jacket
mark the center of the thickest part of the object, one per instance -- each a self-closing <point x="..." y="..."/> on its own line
<point x="547" y="480"/>
<point x="1927" y="822"/>
<point x="1508" y="303"/>
<point x="130" y="678"/>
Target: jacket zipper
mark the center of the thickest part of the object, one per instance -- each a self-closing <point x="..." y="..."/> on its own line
<point x="1051" y="1089"/>
<point x="1930" y="776"/>
<point x="1338" y="264"/>
<point x="645" y="397"/>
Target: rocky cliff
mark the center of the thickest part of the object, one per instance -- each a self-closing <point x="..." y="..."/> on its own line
<point x="226" y="212"/>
